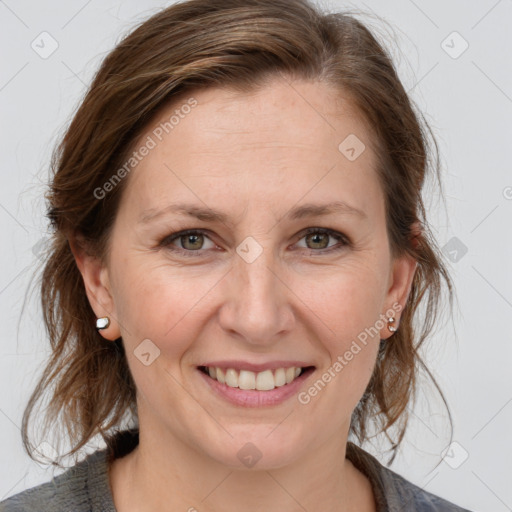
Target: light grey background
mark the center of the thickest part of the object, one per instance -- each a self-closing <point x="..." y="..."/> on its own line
<point x="467" y="98"/>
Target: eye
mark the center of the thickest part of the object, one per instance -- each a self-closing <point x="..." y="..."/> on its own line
<point x="191" y="242"/>
<point x="318" y="238"/>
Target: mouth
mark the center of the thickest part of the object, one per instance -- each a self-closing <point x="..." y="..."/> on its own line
<point x="266" y="380"/>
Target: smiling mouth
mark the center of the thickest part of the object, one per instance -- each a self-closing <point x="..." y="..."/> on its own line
<point x="259" y="381"/>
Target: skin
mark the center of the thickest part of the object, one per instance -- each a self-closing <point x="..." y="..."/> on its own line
<point x="255" y="157"/>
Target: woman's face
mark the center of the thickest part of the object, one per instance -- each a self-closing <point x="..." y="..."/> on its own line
<point x="251" y="288"/>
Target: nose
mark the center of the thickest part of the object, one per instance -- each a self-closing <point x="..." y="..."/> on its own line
<point x="257" y="307"/>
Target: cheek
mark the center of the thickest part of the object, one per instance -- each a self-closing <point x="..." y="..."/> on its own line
<point x="162" y="304"/>
<point x="346" y="308"/>
<point x="159" y="311"/>
<point x="346" y="301"/>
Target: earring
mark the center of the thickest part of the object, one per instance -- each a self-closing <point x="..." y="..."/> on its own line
<point x="391" y="327"/>
<point x="102" y="323"/>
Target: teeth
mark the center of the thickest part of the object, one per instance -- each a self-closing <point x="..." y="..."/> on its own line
<point x="231" y="378"/>
<point x="246" y="380"/>
<point x="221" y="376"/>
<point x="289" y="374"/>
<point x="261" y="381"/>
<point x="280" y="377"/>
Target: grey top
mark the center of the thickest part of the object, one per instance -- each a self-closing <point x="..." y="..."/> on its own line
<point x="85" y="486"/>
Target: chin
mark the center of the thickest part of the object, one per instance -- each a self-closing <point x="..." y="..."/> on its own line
<point x="261" y="449"/>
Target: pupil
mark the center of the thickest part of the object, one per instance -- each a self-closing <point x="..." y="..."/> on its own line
<point x="315" y="238"/>
<point x="193" y="238"/>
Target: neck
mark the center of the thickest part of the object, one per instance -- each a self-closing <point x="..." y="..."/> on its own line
<point x="163" y="473"/>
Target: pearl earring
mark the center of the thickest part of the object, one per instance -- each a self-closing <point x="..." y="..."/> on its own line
<point x="102" y="323"/>
<point x="391" y="327"/>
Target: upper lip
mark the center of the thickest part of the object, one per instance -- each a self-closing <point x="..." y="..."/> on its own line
<point x="254" y="367"/>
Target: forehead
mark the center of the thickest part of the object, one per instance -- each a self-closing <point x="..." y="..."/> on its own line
<point x="284" y="140"/>
<point x="306" y="113"/>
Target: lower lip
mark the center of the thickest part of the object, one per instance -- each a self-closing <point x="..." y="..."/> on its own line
<point x="253" y="397"/>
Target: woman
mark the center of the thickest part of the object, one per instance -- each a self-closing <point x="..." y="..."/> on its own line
<point x="240" y="247"/>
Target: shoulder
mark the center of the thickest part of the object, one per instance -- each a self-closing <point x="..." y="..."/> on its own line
<point x="392" y="491"/>
<point x="67" y="491"/>
<point x="406" y="494"/>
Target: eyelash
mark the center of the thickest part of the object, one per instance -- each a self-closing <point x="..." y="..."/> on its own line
<point x="167" y="240"/>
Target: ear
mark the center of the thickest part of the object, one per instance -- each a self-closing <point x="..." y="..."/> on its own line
<point x="400" y="280"/>
<point x="97" y="286"/>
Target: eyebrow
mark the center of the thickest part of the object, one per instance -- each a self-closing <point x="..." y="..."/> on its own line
<point x="208" y="215"/>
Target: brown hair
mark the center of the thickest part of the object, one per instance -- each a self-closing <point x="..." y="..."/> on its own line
<point x="241" y="44"/>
